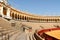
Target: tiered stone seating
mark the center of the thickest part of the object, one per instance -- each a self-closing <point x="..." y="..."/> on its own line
<point x="40" y="26"/>
<point x="6" y="31"/>
<point x="17" y="24"/>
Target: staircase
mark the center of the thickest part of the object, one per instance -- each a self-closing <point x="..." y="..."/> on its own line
<point x="6" y="30"/>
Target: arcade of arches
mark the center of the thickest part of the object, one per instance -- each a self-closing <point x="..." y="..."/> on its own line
<point x="12" y="13"/>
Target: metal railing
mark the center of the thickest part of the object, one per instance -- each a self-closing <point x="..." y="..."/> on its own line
<point x="37" y="37"/>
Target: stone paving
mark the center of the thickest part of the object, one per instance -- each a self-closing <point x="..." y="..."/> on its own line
<point x="22" y="36"/>
<point x="14" y="36"/>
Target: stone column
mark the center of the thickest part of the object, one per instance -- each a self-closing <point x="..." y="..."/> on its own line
<point x="1" y="11"/>
<point x="27" y="18"/>
<point x="17" y="16"/>
<point x="8" y="13"/>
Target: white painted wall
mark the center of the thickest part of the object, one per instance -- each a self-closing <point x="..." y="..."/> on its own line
<point x="1" y="11"/>
<point x="1" y="0"/>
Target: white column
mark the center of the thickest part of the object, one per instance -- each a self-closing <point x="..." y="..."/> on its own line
<point x="8" y="13"/>
<point x="17" y="16"/>
<point x="1" y="11"/>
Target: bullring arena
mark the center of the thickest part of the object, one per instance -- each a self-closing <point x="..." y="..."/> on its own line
<point x="14" y="22"/>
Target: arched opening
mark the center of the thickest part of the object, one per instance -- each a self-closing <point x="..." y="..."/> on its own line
<point x="12" y="15"/>
<point x="18" y="16"/>
<point x="22" y="17"/>
<point x="56" y="20"/>
<point x="47" y="20"/>
<point x="25" y="18"/>
<point x="15" y="16"/>
<point x="4" y="11"/>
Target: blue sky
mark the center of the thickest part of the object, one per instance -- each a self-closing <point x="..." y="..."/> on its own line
<point x="39" y="7"/>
